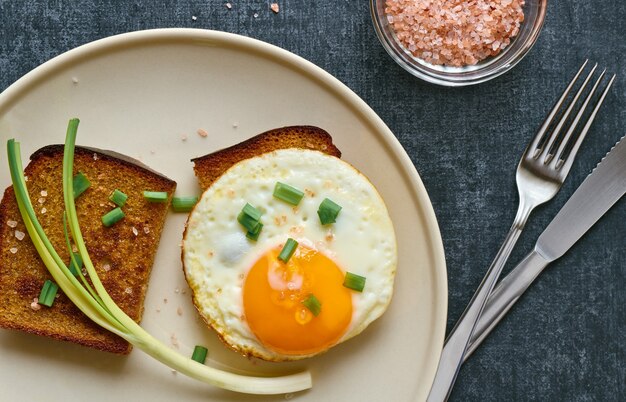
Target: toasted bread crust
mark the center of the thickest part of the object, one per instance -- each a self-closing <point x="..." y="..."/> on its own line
<point x="209" y="168"/>
<point x="123" y="261"/>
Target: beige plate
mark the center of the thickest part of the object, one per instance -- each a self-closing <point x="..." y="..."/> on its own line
<point x="139" y="94"/>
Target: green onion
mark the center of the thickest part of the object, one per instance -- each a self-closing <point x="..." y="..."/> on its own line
<point x="112" y="217"/>
<point x="184" y="204"/>
<point x="80" y="184"/>
<point x="48" y="293"/>
<point x="313" y="304"/>
<point x="155" y="196"/>
<point x="118" y="198"/>
<point x="285" y="192"/>
<point x="249" y="218"/>
<point x="96" y="303"/>
<point x="288" y="250"/>
<point x="328" y="211"/>
<point x="354" y="281"/>
<point x="254" y="234"/>
<point x="199" y="354"/>
<point x="75" y="268"/>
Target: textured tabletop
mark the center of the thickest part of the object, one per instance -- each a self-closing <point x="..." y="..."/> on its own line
<point x="564" y="341"/>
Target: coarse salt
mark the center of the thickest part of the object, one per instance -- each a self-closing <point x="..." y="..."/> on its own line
<point x="146" y="229"/>
<point x="135" y="231"/>
<point x="194" y="18"/>
<point x="202" y="133"/>
<point x="455" y="32"/>
<point x="106" y="267"/>
<point x="35" y="304"/>
<point x="128" y="290"/>
<point x="13" y="250"/>
<point x="229" y="6"/>
<point x="256" y="15"/>
<point x="44" y="210"/>
<point x="12" y="223"/>
<point x="19" y="235"/>
<point x="275" y="8"/>
<point x="44" y="193"/>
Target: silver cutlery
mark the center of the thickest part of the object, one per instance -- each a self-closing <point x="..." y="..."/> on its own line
<point x="540" y="174"/>
<point x="595" y="196"/>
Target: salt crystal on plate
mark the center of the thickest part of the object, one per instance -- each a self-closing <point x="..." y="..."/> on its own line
<point x="12" y="223"/>
<point x="229" y="6"/>
<point x="13" y="250"/>
<point x="44" y="193"/>
<point x="19" y="235"/>
<point x="275" y="8"/>
<point x="202" y="133"/>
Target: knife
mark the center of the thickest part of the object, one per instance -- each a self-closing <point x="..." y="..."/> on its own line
<point x="594" y="197"/>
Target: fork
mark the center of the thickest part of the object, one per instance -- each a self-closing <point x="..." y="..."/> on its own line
<point x="540" y="174"/>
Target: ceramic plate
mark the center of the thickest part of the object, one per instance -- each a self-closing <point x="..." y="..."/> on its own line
<point x="141" y="94"/>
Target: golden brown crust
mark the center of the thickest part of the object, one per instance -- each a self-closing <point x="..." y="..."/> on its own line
<point x="210" y="167"/>
<point x="123" y="260"/>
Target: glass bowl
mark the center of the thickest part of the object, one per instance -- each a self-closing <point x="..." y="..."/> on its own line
<point x="534" y="15"/>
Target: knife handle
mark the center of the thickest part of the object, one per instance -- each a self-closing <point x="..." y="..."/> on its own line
<point x="504" y="297"/>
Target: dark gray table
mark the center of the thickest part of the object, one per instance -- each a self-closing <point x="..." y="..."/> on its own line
<point x="565" y="340"/>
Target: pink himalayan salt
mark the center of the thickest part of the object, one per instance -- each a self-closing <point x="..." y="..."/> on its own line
<point x="455" y="32"/>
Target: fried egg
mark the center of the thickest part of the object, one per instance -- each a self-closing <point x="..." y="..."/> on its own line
<point x="256" y="302"/>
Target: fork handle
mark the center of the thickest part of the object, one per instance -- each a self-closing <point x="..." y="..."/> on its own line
<point x="453" y="352"/>
<point x="505" y="295"/>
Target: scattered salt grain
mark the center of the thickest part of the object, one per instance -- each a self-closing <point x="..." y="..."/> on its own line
<point x="235" y="124"/>
<point x="135" y="231"/>
<point x="35" y="304"/>
<point x="274" y="7"/>
<point x="19" y="235"/>
<point x="183" y="137"/>
<point x="44" y="193"/>
<point x="128" y="290"/>
<point x="455" y="32"/>
<point x="194" y="18"/>
<point x="95" y="156"/>
<point x="74" y="80"/>
<point x="176" y="290"/>
<point x="106" y="267"/>
<point x="146" y="229"/>
<point x="13" y="250"/>
<point x="256" y="15"/>
<point x="152" y="152"/>
<point x="179" y="311"/>
<point x="174" y="341"/>
<point x="41" y="200"/>
<point x="229" y="6"/>
<point x="44" y="210"/>
<point x="12" y="223"/>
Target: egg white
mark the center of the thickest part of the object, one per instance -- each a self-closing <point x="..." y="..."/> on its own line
<point x="217" y="255"/>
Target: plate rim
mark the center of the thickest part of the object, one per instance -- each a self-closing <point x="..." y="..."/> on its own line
<point x="15" y="91"/>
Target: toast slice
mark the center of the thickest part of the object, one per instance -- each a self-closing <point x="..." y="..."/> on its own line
<point x="123" y="254"/>
<point x="209" y="168"/>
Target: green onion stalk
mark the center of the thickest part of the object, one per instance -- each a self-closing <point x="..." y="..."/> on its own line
<point x="95" y="301"/>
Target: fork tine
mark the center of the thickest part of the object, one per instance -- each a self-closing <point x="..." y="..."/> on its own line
<point x="534" y="145"/>
<point x="572" y="128"/>
<point x="567" y="162"/>
<point x="554" y="136"/>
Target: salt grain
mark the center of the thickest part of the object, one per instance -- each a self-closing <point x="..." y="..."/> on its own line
<point x="274" y="7"/>
<point x="12" y="223"/>
<point x="13" y="250"/>
<point x="41" y="200"/>
<point x="229" y="6"/>
<point x="179" y="311"/>
<point x="106" y="267"/>
<point x="174" y="341"/>
<point x="44" y="210"/>
<point x="202" y="133"/>
<point x="194" y="18"/>
<point x="128" y="291"/>
<point x="95" y="156"/>
<point x="235" y="124"/>
<point x="35" y="304"/>
<point x="135" y="231"/>
<point x="146" y="229"/>
<point x="19" y="235"/>
<point x="74" y="80"/>
<point x="44" y="193"/>
<point x="455" y="32"/>
<point x="183" y="137"/>
<point x="256" y="15"/>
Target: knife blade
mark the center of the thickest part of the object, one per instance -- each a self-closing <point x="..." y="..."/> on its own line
<point x="594" y="197"/>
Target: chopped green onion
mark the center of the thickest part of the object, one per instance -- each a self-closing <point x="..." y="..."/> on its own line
<point x="80" y="184"/>
<point x="48" y="293"/>
<point x="249" y="218"/>
<point x="184" y="204"/>
<point x="328" y="211"/>
<point x="199" y="354"/>
<point x="254" y="234"/>
<point x="112" y="217"/>
<point x="155" y="196"/>
<point x="313" y="304"/>
<point x="287" y="193"/>
<point x="118" y="198"/>
<point x="75" y="269"/>
<point x="288" y="250"/>
<point x="354" y="281"/>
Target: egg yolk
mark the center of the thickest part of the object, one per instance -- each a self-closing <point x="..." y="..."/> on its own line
<point x="273" y="296"/>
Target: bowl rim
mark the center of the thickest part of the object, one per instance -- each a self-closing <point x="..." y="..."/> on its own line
<point x="434" y="77"/>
